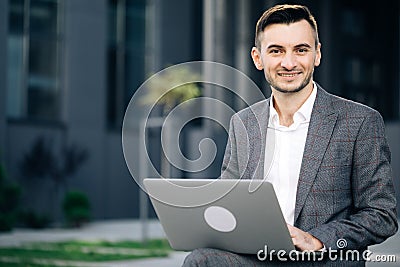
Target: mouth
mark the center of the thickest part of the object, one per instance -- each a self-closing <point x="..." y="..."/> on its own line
<point x="288" y="74"/>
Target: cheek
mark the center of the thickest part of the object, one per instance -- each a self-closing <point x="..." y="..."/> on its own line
<point x="270" y="63"/>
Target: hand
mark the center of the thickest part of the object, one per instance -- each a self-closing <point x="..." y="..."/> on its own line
<point x="303" y="240"/>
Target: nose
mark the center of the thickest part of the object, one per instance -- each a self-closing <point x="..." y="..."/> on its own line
<point x="289" y="61"/>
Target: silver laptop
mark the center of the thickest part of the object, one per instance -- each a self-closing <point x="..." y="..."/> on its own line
<point x="219" y="213"/>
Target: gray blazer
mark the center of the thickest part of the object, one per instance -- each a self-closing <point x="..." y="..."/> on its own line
<point x="345" y="188"/>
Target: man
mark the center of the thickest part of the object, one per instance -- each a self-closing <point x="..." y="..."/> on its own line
<point x="331" y="163"/>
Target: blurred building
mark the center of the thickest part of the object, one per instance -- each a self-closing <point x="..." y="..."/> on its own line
<point x="69" y="68"/>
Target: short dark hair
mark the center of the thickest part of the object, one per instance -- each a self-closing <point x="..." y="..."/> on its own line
<point x="285" y="14"/>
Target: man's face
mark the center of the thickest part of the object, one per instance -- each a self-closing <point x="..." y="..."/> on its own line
<point x="288" y="56"/>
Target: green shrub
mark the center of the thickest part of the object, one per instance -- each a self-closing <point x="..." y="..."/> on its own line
<point x="9" y="201"/>
<point x="34" y="220"/>
<point x="76" y="208"/>
<point x="7" y="221"/>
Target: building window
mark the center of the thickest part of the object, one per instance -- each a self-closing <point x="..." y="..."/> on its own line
<point x="34" y="45"/>
<point x="367" y="57"/>
<point x="126" y="55"/>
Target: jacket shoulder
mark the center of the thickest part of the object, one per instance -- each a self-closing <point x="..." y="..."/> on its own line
<point x="253" y="110"/>
<point x="346" y="107"/>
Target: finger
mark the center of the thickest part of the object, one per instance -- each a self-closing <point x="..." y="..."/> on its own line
<point x="290" y="228"/>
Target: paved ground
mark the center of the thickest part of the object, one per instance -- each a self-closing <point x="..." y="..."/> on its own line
<point x="133" y="229"/>
<point x="112" y="230"/>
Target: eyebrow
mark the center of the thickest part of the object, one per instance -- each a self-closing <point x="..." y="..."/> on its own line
<point x="303" y="45"/>
<point x="296" y="46"/>
<point x="274" y="46"/>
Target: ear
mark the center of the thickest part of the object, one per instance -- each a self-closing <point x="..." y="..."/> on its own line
<point x="318" y="56"/>
<point x="256" y="56"/>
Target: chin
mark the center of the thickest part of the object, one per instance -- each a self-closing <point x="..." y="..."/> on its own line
<point x="289" y="90"/>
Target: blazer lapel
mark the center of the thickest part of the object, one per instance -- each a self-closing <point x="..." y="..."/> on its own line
<point x="322" y="123"/>
<point x="257" y="139"/>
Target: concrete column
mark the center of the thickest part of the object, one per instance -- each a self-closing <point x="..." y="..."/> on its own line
<point x="398" y="82"/>
<point x="215" y="49"/>
<point x="153" y="36"/>
<point x="208" y="54"/>
<point x="85" y="97"/>
<point x="325" y="36"/>
<point x="243" y="47"/>
<point x="3" y="77"/>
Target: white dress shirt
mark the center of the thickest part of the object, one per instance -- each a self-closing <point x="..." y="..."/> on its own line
<point x="284" y="168"/>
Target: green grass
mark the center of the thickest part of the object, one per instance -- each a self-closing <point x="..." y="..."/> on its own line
<point x="27" y="264"/>
<point x="83" y="251"/>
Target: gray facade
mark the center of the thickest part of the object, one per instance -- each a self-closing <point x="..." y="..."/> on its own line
<point x="3" y="74"/>
<point x="176" y="31"/>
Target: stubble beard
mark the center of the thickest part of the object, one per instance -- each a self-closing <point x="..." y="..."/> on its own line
<point x="275" y="85"/>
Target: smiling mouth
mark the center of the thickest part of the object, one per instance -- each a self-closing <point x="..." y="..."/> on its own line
<point x="289" y="75"/>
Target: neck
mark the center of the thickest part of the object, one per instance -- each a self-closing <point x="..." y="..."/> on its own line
<point x="286" y="104"/>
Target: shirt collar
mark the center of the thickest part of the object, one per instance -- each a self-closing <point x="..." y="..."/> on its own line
<point x="302" y="115"/>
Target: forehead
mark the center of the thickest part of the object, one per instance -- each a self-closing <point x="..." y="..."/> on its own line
<point x="288" y="34"/>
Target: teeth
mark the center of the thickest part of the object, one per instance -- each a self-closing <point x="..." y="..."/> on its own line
<point x="287" y="75"/>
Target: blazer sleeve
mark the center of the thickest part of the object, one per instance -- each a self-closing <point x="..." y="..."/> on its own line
<point x="230" y="165"/>
<point x="374" y="203"/>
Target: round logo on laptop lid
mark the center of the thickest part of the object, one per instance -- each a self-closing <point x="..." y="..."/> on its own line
<point x="220" y="219"/>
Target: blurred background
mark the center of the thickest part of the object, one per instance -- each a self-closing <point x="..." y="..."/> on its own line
<point x="68" y="69"/>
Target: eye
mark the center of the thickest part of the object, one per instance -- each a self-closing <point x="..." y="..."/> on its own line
<point x="274" y="51"/>
<point x="302" y="50"/>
